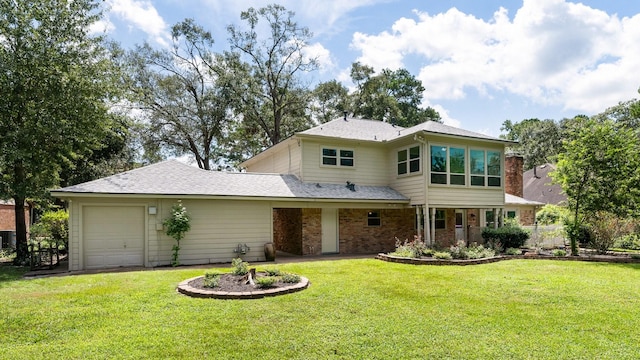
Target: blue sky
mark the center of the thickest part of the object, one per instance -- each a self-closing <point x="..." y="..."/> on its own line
<point x="482" y="62"/>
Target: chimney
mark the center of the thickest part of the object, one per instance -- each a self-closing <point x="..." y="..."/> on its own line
<point x="513" y="169"/>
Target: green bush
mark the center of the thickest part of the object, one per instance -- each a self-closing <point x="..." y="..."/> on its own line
<point x="551" y="214"/>
<point x="629" y="242"/>
<point x="512" y="251"/>
<point x="239" y="267"/>
<point x="635" y="256"/>
<point x="211" y="280"/>
<point x="176" y="226"/>
<point x="443" y="255"/>
<point x="290" y="278"/>
<point x="410" y="249"/>
<point x="559" y="252"/>
<point x="273" y="272"/>
<point x="505" y="237"/>
<point x="265" y="281"/>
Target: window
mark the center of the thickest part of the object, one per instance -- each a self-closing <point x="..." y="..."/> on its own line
<point x="511" y="214"/>
<point x="486" y="168"/>
<point x="409" y="160"/>
<point x="453" y="171"/>
<point x="373" y="218"/>
<point x="441" y="219"/>
<point x="489" y="218"/>
<point x="337" y="157"/>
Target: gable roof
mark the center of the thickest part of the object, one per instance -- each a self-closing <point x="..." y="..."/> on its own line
<point x="537" y="185"/>
<point x="175" y="178"/>
<point x="516" y="200"/>
<point x="380" y="131"/>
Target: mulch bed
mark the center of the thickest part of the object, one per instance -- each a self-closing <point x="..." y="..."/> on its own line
<point x="233" y="283"/>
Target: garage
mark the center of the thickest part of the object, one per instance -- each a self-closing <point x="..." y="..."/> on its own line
<point x="113" y="236"/>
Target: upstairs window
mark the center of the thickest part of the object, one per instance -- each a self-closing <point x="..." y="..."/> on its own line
<point x="448" y="165"/>
<point x="486" y="168"/>
<point x="409" y="160"/>
<point x="337" y="157"/>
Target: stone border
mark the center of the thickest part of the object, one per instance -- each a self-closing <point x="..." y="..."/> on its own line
<point x="431" y="261"/>
<point x="186" y="289"/>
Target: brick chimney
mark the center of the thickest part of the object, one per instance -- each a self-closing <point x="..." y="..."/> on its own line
<point x="513" y="169"/>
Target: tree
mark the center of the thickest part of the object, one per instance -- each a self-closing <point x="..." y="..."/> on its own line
<point x="329" y="100"/>
<point x="539" y="141"/>
<point x="55" y="80"/>
<point x="271" y="96"/>
<point x="598" y="170"/>
<point x="184" y="93"/>
<point x="392" y="96"/>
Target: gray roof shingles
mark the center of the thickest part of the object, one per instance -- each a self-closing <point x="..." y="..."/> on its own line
<point x="174" y="178"/>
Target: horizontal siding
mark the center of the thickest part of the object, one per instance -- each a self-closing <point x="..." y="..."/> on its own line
<point x="465" y="197"/>
<point x="217" y="227"/>
<point x="286" y="160"/>
<point x="412" y="187"/>
<point x="371" y="164"/>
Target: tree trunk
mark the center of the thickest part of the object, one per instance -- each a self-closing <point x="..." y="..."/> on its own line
<point x="22" y="251"/>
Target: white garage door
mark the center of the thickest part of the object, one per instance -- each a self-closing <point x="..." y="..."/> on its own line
<point x="113" y="236"/>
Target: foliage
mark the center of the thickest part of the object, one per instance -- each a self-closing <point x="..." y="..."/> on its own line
<point x="57" y="84"/>
<point x="539" y="141"/>
<point x="412" y="249"/>
<point x="290" y="278"/>
<point x="551" y="214"/>
<point x="605" y="229"/>
<point x="177" y="225"/>
<point x="393" y="96"/>
<point x="505" y="237"/>
<point x="273" y="272"/>
<point x="442" y="255"/>
<point x="55" y="226"/>
<point x="239" y="267"/>
<point x="264" y="282"/>
<point x="559" y="252"/>
<point x="461" y="251"/>
<point x="512" y="251"/>
<point x="629" y="242"/>
<point x="211" y="279"/>
<point x="329" y="100"/>
<point x="184" y="94"/>
<point x="267" y="66"/>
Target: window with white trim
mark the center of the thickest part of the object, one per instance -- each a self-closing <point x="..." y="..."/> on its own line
<point x="441" y="219"/>
<point x="409" y="160"/>
<point x="337" y="157"/>
<point x="486" y="167"/>
<point x="448" y="165"/>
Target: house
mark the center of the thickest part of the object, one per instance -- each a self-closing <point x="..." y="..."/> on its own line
<point x="538" y="186"/>
<point x="346" y="186"/>
<point x="8" y="223"/>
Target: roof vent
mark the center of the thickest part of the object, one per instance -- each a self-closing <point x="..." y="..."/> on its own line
<point x="351" y="186"/>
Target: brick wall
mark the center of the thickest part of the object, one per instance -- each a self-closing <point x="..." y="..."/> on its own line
<point x="447" y="237"/>
<point x="527" y="217"/>
<point x="513" y="171"/>
<point x="356" y="237"/>
<point x="8" y="217"/>
<point x="287" y="230"/>
<point x="311" y="231"/>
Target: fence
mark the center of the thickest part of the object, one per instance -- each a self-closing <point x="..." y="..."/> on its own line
<point x="547" y="236"/>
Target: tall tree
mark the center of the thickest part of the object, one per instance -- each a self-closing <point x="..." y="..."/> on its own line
<point x="272" y="96"/>
<point x="598" y="170"/>
<point x="55" y="79"/>
<point x="392" y="96"/>
<point x="539" y="141"/>
<point x="329" y="100"/>
<point x="184" y="93"/>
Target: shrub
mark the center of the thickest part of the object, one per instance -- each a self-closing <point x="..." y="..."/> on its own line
<point x="635" y="256"/>
<point x="551" y="214"/>
<point x="512" y="251"/>
<point x="505" y="237"/>
<point x="559" y="252"/>
<point x="605" y="228"/>
<point x="629" y="242"/>
<point x="177" y="224"/>
<point x="265" y="281"/>
<point x="290" y="278"/>
<point x="273" y="272"/>
<point x="443" y="255"/>
<point x="239" y="267"/>
<point x="211" y="280"/>
<point x="411" y="249"/>
<point x="458" y="251"/>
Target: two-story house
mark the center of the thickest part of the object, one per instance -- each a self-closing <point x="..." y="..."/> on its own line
<point x="346" y="186"/>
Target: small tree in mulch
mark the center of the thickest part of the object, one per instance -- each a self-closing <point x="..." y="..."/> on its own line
<point x="176" y="226"/>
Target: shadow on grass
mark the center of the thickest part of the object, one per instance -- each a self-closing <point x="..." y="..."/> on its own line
<point x="9" y="273"/>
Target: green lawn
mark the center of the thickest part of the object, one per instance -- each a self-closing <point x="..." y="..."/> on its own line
<point x="353" y="309"/>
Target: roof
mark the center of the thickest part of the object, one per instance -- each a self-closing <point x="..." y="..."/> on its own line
<point x="175" y="178"/>
<point x="537" y="185"/>
<point x="516" y="200"/>
<point x="373" y="130"/>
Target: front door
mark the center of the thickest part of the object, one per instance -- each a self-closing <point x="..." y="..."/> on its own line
<point x="460" y="225"/>
<point x="329" y="231"/>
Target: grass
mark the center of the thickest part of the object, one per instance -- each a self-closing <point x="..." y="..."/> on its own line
<point x="353" y="309"/>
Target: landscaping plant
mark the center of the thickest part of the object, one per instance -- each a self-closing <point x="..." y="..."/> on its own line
<point x="176" y="226"/>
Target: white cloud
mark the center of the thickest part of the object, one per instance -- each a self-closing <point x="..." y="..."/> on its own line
<point x="142" y="15"/>
<point x="321" y="54"/>
<point x="552" y="52"/>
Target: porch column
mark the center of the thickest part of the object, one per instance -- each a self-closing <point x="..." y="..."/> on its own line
<point x="419" y="220"/>
<point x="425" y="219"/>
<point x="495" y="218"/>
<point x="433" y="224"/>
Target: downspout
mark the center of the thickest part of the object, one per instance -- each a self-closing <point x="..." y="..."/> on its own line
<point x="425" y="208"/>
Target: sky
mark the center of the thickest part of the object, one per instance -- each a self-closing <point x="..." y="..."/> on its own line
<point x="481" y="62"/>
